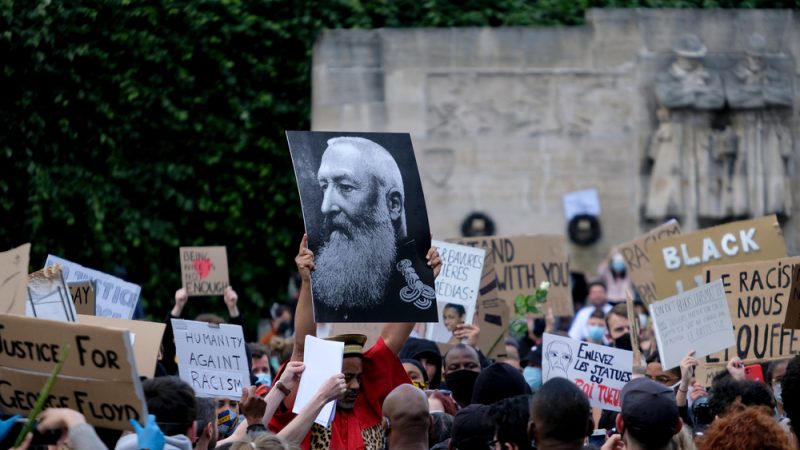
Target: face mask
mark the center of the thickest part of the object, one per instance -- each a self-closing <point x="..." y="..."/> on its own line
<point x="618" y="266"/>
<point x="624" y="342"/>
<point x="533" y="375"/>
<point x="777" y="391"/>
<point x="264" y="379"/>
<point x="227" y="421"/>
<point x="420" y="384"/>
<point x="596" y="332"/>
<point x="461" y="384"/>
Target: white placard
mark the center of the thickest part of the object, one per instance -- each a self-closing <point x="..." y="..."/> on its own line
<point x="211" y="358"/>
<point x="698" y="320"/>
<point x="457" y="288"/>
<point x="114" y="297"/>
<point x="599" y="371"/>
<point x="586" y="201"/>
<point x="323" y="359"/>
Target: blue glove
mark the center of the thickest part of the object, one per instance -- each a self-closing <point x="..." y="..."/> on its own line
<point x="6" y="425"/>
<point x="150" y="437"/>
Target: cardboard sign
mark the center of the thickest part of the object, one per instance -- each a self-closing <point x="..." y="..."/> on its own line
<point x="678" y="261"/>
<point x="211" y="358"/>
<point x="637" y="260"/>
<point x="114" y="297"/>
<point x="599" y="371"/>
<point x="523" y="262"/>
<point x="758" y="296"/>
<point x="493" y="314"/>
<point x="99" y="376"/>
<point x="323" y="359"/>
<point x="792" y="320"/>
<point x="697" y="320"/>
<point x="83" y="297"/>
<point x="456" y="288"/>
<point x="146" y="342"/>
<point x="48" y="296"/>
<point x="14" y="279"/>
<point x="204" y="270"/>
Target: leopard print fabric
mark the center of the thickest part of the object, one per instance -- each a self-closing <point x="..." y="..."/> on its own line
<point x="321" y="438"/>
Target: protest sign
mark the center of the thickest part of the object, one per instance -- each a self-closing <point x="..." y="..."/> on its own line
<point x="678" y="261"/>
<point x="758" y="295"/>
<point x="456" y="289"/>
<point x="14" y="279"/>
<point x="696" y="320"/>
<point x="599" y="371"/>
<point x="792" y="320"/>
<point x="586" y="202"/>
<point x="323" y="359"/>
<point x="211" y="358"/>
<point x="493" y="314"/>
<point x="204" y="270"/>
<point x="523" y="262"/>
<point x="99" y="376"/>
<point x="48" y="296"/>
<point x="146" y="339"/>
<point x="637" y="260"/>
<point x="114" y="297"/>
<point x="83" y="297"/>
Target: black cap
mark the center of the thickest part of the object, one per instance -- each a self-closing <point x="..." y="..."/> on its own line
<point x="650" y="412"/>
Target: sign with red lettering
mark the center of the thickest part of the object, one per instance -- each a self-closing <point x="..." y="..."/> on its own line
<point x="204" y="270"/>
<point x="678" y="262"/>
<point x="637" y="261"/>
<point x="599" y="371"/>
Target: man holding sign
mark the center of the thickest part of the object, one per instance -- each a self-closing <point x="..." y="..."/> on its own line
<point x="370" y="374"/>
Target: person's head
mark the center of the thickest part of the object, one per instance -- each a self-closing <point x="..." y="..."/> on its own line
<point x="263" y="441"/>
<point x="560" y="415"/>
<point x="461" y="369"/>
<point x="352" y="368"/>
<point x="473" y="429"/>
<point x="775" y="373"/>
<point x="497" y="382"/>
<point x="222" y="404"/>
<point x="597" y="293"/>
<point x="453" y="316"/>
<point x="259" y="356"/>
<point x="752" y="427"/>
<point x="171" y="400"/>
<point x="655" y="371"/>
<point x="689" y="49"/>
<point x="441" y="429"/>
<point x="510" y="417"/>
<point x="406" y="414"/>
<point x="416" y="373"/>
<point x="512" y="354"/>
<point x="618" y="326"/>
<point x="790" y="393"/>
<point x="649" y="416"/>
<point x="206" y="424"/>
<point x="597" y="326"/>
<point x="281" y="318"/>
<point x="427" y="353"/>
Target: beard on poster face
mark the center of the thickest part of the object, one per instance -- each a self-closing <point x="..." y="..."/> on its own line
<point x="355" y="263"/>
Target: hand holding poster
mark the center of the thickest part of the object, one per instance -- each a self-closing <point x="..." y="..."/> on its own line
<point x="367" y="225"/>
<point x="456" y="289"/>
<point x="14" y="279"/>
<point x="678" y="261"/>
<point x="697" y="320"/>
<point x="637" y="260"/>
<point x="323" y="359"/>
<point x="114" y="297"/>
<point x="211" y="358"/>
<point x="599" y="371"/>
<point x="204" y="270"/>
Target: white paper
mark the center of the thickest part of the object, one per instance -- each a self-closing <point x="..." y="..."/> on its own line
<point x="323" y="359"/>
<point x="457" y="284"/>
<point x="581" y="202"/>
<point x="114" y="297"/>
<point x="698" y="320"/>
<point x="599" y="371"/>
<point x="49" y="298"/>
<point x="211" y="358"/>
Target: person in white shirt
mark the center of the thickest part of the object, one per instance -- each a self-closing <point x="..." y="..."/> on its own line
<point x="597" y="299"/>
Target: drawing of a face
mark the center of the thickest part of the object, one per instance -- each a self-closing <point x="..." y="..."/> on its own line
<point x="559" y="355"/>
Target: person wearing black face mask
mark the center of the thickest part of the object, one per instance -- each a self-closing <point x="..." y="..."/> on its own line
<point x="619" y="328"/>
<point x="461" y="368"/>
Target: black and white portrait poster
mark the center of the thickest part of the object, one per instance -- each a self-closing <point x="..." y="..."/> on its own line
<point x="367" y="226"/>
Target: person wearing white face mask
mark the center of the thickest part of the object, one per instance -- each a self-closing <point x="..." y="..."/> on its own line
<point x="613" y="272"/>
<point x="261" y="371"/>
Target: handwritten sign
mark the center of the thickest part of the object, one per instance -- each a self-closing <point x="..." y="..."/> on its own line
<point x="678" y="261"/>
<point x="204" y="270"/>
<point x="211" y="358"/>
<point x="456" y="288"/>
<point x="523" y="262"/>
<point x="99" y="377"/>
<point x="697" y="320"/>
<point x="637" y="260"/>
<point x="599" y="371"/>
<point x="14" y="279"/>
<point x="114" y="297"/>
<point x="83" y="297"/>
<point x="793" y="310"/>
<point x="146" y="343"/>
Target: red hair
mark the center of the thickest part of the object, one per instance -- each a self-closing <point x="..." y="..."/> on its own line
<point x="752" y="427"/>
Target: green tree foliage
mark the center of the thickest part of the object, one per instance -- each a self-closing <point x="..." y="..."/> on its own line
<point x="131" y="127"/>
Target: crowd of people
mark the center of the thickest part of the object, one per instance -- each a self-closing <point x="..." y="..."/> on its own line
<point x="403" y="392"/>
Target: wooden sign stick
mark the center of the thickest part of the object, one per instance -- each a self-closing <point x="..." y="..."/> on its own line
<point x="637" y="354"/>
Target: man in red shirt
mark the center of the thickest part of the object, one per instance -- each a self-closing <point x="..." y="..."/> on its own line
<point x="370" y="375"/>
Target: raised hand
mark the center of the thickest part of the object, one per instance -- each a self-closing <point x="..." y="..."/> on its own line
<point x="305" y="260"/>
<point x="252" y="406"/>
<point x="291" y="374"/>
<point x="434" y="261"/>
<point x="231" y="299"/>
<point x="150" y="436"/>
<point x="181" y="297"/>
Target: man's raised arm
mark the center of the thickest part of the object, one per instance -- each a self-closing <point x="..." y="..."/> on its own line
<point x="395" y="335"/>
<point x="304" y="315"/>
